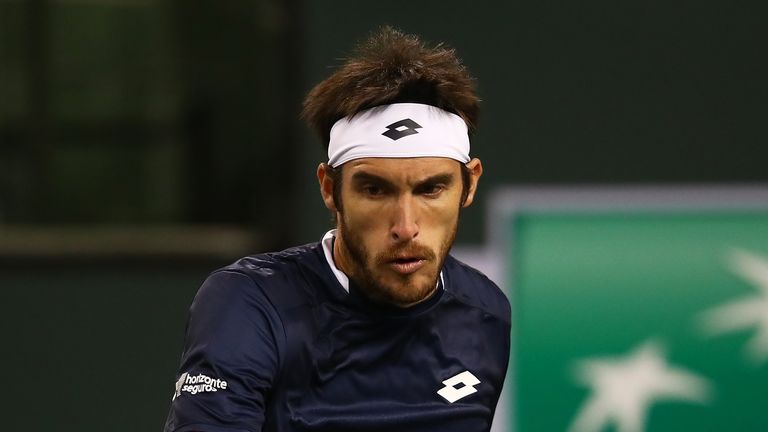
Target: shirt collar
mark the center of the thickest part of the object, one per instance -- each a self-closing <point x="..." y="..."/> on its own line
<point x="327" y="243"/>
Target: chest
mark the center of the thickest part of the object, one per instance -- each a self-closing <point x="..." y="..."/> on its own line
<point x="441" y="370"/>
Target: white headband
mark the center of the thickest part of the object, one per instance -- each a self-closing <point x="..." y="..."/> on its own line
<point x="402" y="130"/>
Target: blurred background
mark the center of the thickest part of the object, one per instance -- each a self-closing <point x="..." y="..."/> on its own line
<point x="143" y="143"/>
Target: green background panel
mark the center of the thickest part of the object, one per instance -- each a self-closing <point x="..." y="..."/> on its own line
<point x="599" y="284"/>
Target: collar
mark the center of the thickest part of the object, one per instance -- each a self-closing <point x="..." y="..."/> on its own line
<point x="327" y="243"/>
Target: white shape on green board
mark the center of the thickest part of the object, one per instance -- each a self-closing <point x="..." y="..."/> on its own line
<point x="624" y="388"/>
<point x="747" y="312"/>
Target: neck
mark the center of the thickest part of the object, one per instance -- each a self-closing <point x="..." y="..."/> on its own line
<point x="340" y="255"/>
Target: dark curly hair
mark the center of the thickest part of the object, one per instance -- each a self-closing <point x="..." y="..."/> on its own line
<point x="392" y="67"/>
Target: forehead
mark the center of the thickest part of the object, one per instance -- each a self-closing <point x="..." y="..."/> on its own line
<point x="402" y="169"/>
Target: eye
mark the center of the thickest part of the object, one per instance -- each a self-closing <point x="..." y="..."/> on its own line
<point x="372" y="190"/>
<point x="432" y="190"/>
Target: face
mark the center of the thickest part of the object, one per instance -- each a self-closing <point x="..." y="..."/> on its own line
<point x="398" y="223"/>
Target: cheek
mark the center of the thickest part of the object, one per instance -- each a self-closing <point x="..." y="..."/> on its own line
<point x="365" y="223"/>
<point x="363" y="217"/>
<point x="440" y="219"/>
<point x="446" y="209"/>
<point x="446" y="220"/>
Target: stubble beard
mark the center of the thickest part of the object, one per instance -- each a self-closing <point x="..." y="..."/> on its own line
<point x="367" y="272"/>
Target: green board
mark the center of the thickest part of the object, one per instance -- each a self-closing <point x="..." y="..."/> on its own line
<point x="644" y="318"/>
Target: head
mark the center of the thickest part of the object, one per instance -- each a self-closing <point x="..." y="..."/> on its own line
<point x="396" y="216"/>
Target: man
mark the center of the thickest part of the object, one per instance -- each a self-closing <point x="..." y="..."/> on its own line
<point x="376" y="327"/>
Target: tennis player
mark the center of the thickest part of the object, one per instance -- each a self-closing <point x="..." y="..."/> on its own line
<point x="376" y="327"/>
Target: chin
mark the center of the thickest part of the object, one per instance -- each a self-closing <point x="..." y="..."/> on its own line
<point x="410" y="290"/>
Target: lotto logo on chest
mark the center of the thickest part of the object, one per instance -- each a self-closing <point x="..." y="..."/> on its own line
<point x="459" y="386"/>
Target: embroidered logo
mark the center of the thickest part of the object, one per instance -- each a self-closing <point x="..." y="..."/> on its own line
<point x="194" y="384"/>
<point x="402" y="128"/>
<point x="179" y="384"/>
<point x="466" y="382"/>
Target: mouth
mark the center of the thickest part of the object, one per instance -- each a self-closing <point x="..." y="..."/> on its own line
<point x="407" y="265"/>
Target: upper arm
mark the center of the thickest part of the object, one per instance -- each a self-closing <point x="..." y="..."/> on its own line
<point x="230" y="360"/>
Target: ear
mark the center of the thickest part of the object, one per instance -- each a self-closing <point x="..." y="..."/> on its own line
<point x="475" y="171"/>
<point x="326" y="186"/>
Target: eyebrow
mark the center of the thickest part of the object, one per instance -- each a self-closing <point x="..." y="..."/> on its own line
<point x="361" y="177"/>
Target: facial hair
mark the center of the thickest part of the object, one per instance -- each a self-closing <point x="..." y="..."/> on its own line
<point x="367" y="271"/>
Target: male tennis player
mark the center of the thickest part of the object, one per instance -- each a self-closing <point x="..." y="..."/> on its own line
<point x="376" y="327"/>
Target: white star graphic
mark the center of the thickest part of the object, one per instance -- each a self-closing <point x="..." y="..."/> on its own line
<point x="747" y="312"/>
<point x="624" y="388"/>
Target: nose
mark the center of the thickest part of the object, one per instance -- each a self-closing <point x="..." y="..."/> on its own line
<point x="405" y="226"/>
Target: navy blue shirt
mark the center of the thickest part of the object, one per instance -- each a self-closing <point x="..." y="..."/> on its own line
<point x="275" y="343"/>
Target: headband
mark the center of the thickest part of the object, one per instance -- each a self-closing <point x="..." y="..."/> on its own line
<point x="401" y="130"/>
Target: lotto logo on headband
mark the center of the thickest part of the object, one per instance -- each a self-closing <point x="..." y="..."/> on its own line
<point x="401" y="129"/>
<point x="362" y="135"/>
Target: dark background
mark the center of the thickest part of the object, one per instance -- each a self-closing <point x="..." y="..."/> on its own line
<point x="143" y="143"/>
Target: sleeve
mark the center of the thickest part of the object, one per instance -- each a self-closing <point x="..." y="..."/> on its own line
<point x="230" y="358"/>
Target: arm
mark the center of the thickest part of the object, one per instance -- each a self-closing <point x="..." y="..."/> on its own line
<point x="230" y="358"/>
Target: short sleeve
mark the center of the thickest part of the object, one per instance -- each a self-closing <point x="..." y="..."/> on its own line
<point x="230" y="358"/>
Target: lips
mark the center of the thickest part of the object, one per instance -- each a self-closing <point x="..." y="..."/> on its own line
<point x="407" y="264"/>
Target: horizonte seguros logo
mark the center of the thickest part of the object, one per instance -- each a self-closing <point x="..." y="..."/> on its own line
<point x="199" y="383"/>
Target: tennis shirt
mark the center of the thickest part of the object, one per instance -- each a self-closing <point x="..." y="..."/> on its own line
<point x="277" y="342"/>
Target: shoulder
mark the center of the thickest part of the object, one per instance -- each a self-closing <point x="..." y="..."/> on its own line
<point x="277" y="278"/>
<point x="474" y="288"/>
<point x="247" y="299"/>
<point x="272" y="264"/>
